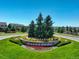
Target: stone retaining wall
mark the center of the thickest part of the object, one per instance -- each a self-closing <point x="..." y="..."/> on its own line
<point x="40" y="43"/>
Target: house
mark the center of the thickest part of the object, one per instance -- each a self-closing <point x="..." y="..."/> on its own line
<point x="3" y="24"/>
<point x="17" y="26"/>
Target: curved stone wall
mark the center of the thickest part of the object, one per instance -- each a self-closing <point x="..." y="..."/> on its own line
<point x="40" y="43"/>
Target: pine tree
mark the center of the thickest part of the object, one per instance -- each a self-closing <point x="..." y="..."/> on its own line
<point x="49" y="29"/>
<point x="31" y="32"/>
<point x="6" y="30"/>
<point x="62" y="29"/>
<point x="23" y="29"/>
<point x="42" y="29"/>
<point x="39" y="26"/>
<point x="75" y="31"/>
<point x="59" y="29"/>
<point x="13" y="29"/>
<point x="9" y="26"/>
<point x="70" y="30"/>
<point x="78" y="29"/>
<point x="67" y="29"/>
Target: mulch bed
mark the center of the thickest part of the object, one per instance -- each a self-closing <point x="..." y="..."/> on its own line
<point x="39" y="47"/>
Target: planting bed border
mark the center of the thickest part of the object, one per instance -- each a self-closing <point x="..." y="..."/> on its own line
<point x="45" y="44"/>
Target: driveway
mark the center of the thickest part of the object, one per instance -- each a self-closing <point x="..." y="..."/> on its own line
<point x="75" y="38"/>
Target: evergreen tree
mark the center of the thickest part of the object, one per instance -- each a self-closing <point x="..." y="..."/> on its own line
<point x="67" y="30"/>
<point x="13" y="29"/>
<point x="31" y="32"/>
<point x="39" y="26"/>
<point x="48" y="26"/>
<point x="78" y="29"/>
<point x="58" y="29"/>
<point x="70" y="30"/>
<point x="62" y="29"/>
<point x="75" y="31"/>
<point x="6" y="30"/>
<point x="9" y="26"/>
<point x="42" y="29"/>
<point x="23" y="29"/>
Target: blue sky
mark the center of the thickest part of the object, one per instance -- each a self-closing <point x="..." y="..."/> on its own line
<point x="63" y="12"/>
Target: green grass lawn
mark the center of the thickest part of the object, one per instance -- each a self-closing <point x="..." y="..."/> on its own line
<point x="7" y="34"/>
<point x="10" y="50"/>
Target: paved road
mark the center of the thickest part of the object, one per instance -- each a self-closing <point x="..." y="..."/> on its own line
<point x="3" y="37"/>
<point x="75" y="38"/>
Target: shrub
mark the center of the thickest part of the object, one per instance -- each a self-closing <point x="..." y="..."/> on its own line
<point x="16" y="41"/>
<point x="57" y="43"/>
<point x="63" y="43"/>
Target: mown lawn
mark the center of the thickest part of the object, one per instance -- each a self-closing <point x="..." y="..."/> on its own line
<point x="10" y="50"/>
<point x="7" y="34"/>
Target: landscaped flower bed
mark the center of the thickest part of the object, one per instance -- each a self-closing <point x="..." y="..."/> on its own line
<point x="40" y="45"/>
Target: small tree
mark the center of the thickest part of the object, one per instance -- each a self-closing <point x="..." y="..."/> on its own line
<point x="31" y="32"/>
<point x="6" y="30"/>
<point x="70" y="30"/>
<point x="67" y="30"/>
<point x="9" y="26"/>
<point x="13" y="29"/>
<point x="75" y="31"/>
<point x="62" y="29"/>
<point x="1" y="29"/>
<point x="59" y="29"/>
<point x="23" y="29"/>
